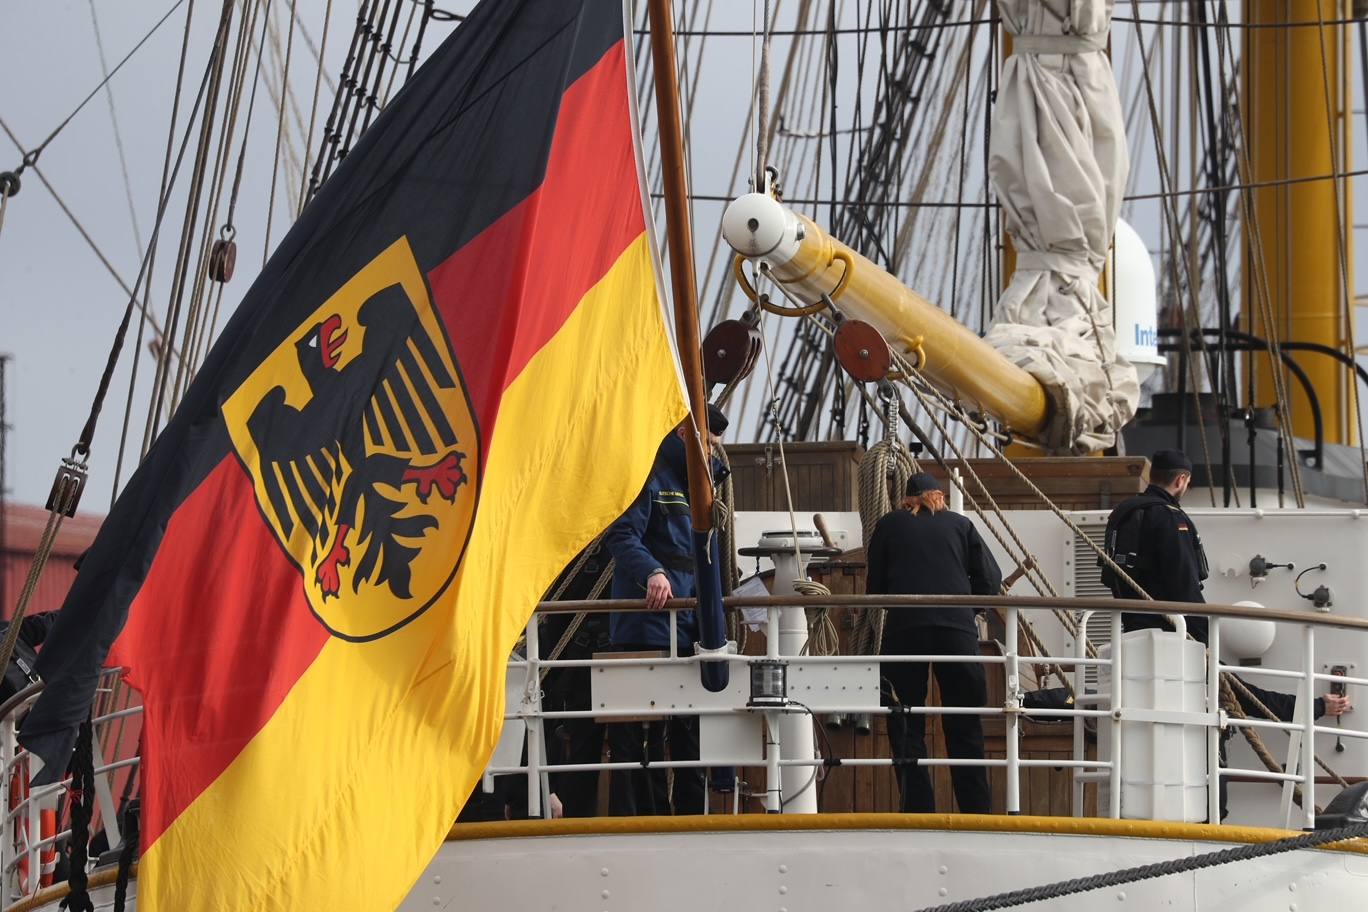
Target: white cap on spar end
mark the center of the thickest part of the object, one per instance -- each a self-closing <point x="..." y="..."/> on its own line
<point x="760" y="228"/>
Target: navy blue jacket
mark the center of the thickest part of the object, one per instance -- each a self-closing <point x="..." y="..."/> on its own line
<point x="656" y="533"/>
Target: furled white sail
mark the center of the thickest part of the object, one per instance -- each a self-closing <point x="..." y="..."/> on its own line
<point x="1059" y="162"/>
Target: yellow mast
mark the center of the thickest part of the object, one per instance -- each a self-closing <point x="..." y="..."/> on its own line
<point x="1294" y="131"/>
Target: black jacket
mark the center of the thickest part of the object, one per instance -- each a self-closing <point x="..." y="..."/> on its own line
<point x="930" y="554"/>
<point x="1168" y="562"/>
<point x="33" y="629"/>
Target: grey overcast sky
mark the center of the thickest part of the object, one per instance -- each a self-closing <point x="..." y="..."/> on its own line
<point x="59" y="307"/>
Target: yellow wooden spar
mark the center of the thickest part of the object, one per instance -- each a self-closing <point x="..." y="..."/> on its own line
<point x="810" y="263"/>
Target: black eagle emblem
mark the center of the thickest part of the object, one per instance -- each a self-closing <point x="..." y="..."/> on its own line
<point x="372" y="426"/>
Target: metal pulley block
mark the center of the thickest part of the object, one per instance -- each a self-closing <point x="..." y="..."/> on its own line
<point x="223" y="257"/>
<point x="731" y="348"/>
<point x="862" y="351"/>
<point x="67" y="487"/>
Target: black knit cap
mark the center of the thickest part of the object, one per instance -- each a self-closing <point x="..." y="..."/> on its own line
<point x="921" y="483"/>
<point x="1171" y="461"/>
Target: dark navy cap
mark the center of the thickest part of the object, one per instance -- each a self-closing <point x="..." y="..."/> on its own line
<point x="921" y="483"/>
<point x="1171" y="461"/>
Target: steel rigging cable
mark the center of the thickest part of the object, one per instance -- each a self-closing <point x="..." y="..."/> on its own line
<point x="9" y="179"/>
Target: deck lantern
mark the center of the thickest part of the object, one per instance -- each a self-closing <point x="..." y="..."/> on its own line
<point x="768" y="683"/>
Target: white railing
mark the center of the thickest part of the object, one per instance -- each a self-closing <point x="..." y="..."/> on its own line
<point x="1300" y="769"/>
<point x="36" y="822"/>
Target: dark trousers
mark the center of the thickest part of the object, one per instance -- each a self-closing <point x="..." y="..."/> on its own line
<point x="961" y="684"/>
<point x="646" y="792"/>
<point x="573" y="741"/>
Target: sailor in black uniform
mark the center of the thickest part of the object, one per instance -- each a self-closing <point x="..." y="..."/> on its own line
<point x="926" y="549"/>
<point x="1156" y="543"/>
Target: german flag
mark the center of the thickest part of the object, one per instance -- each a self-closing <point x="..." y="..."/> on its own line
<point x="453" y="373"/>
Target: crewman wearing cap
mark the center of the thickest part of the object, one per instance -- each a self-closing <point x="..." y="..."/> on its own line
<point x="652" y="544"/>
<point x="926" y="549"/>
<point x="1156" y="543"/>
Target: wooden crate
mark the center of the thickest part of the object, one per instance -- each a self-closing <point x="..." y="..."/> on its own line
<point x="822" y="476"/>
<point x="1073" y="483"/>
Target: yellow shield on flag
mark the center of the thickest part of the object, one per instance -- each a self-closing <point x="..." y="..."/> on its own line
<point x="359" y="437"/>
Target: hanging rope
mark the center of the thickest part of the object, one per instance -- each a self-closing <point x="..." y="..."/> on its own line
<point x="1231" y="705"/>
<point x="883" y="473"/>
<point x="131" y="817"/>
<point x="884" y="469"/>
<point x="68" y="496"/>
<point x="1346" y="295"/>
<point x="181" y="272"/>
<point x="114" y="122"/>
<point x="762" y="108"/>
<point x="71" y="475"/>
<point x="202" y="298"/>
<point x="346" y="88"/>
<point x="1262" y="294"/>
<point x="822" y="636"/>
<point x="429" y="14"/>
<point x="724" y="507"/>
<point x="82" y="810"/>
<point x="313" y="108"/>
<point x="280" y="133"/>
<point x="605" y="577"/>
<point x="384" y="54"/>
<point x="143" y="318"/>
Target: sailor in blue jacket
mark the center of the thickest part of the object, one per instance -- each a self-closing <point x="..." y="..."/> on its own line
<point x="651" y="544"/>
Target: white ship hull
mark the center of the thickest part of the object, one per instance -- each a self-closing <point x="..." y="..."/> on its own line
<point x="830" y="862"/>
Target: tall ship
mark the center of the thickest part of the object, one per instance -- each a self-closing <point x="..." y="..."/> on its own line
<point x="362" y="565"/>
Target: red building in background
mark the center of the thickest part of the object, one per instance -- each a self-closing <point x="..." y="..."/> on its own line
<point x="23" y="528"/>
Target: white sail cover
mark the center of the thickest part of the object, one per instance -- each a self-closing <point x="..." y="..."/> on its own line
<point x="1059" y="163"/>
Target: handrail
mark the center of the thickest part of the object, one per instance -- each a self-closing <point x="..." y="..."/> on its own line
<point x="1210" y="718"/>
<point x="1029" y="602"/>
<point x="20" y="698"/>
<point x="22" y="840"/>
